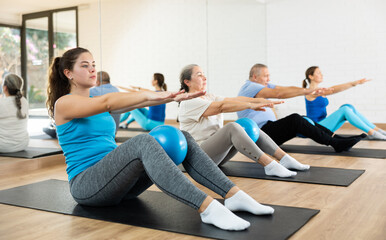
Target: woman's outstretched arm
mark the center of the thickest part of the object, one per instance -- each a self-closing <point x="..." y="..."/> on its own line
<point x="344" y="86"/>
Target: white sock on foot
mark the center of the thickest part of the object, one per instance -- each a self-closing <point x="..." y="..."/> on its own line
<point x="243" y="202"/>
<point x="382" y="131"/>
<point x="275" y="169"/>
<point x="220" y="216"/>
<point x="377" y="135"/>
<point x="290" y="163"/>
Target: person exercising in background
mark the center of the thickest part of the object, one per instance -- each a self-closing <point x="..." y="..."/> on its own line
<point x="316" y="107"/>
<point x="147" y="118"/>
<point x="103" y="86"/>
<point x="14" y="135"/>
<point x="281" y="130"/>
<point x="100" y="173"/>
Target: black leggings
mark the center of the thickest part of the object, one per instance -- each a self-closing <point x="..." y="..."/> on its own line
<point x="289" y="127"/>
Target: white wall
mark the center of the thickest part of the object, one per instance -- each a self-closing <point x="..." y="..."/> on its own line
<point x="345" y="38"/>
<point x="140" y="37"/>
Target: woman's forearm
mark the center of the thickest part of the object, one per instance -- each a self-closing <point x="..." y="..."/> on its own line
<point x="248" y="99"/>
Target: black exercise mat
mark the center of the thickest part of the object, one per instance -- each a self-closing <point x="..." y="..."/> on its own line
<point x="324" y="150"/>
<point x="156" y="210"/>
<point x="121" y="139"/>
<point x="41" y="136"/>
<point x="133" y="129"/>
<point x="316" y="175"/>
<point x="363" y="139"/>
<point x="33" y="152"/>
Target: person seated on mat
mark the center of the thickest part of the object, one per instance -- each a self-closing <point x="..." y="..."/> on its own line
<point x="281" y="130"/>
<point x="13" y="115"/>
<point x="317" y="111"/>
<point x="101" y="173"/>
<point x="202" y="118"/>
<point x="103" y="86"/>
<point x="147" y="118"/>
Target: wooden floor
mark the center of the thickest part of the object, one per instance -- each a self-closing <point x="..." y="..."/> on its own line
<point x="354" y="212"/>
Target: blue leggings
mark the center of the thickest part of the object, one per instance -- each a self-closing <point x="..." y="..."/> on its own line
<point x="346" y="112"/>
<point x="140" y="115"/>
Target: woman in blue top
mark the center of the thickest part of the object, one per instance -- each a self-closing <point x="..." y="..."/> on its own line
<point x="152" y="117"/>
<point x="316" y="107"/>
<point x="101" y="173"/>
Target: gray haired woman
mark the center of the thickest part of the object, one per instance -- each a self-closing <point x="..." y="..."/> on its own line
<point x="13" y="115"/>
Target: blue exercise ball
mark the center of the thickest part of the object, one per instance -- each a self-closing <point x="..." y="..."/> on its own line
<point x="172" y="141"/>
<point x="309" y="120"/>
<point x="250" y="127"/>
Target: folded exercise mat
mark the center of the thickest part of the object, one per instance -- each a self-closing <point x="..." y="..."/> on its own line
<point x="156" y="210"/>
<point x="133" y="129"/>
<point x="41" y="136"/>
<point x="324" y="150"/>
<point x="33" y="152"/>
<point x="317" y="175"/>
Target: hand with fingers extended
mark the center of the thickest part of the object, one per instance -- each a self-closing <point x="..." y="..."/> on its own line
<point x="260" y="106"/>
<point x="175" y="96"/>
<point x="319" y="91"/>
<point x="186" y="96"/>
<point x="360" y="81"/>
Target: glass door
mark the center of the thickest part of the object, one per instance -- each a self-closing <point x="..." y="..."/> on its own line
<point x="65" y="36"/>
<point x="37" y="60"/>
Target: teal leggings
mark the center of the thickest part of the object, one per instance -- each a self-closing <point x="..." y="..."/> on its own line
<point x="346" y="112"/>
<point x="140" y="115"/>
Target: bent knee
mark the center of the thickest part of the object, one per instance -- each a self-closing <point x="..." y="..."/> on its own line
<point x="234" y="127"/>
<point x="346" y="109"/>
<point x="295" y="117"/>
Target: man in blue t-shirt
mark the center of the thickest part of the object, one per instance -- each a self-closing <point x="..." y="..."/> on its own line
<point x="286" y="128"/>
<point x="104" y="86"/>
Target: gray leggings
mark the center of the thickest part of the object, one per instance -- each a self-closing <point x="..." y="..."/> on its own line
<point x="135" y="165"/>
<point x="226" y="142"/>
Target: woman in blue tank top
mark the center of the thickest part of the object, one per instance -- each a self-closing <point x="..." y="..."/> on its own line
<point x="317" y="107"/>
<point x="147" y="118"/>
<point x="100" y="173"/>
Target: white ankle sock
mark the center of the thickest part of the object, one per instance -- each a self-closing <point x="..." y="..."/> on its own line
<point x="290" y="163"/>
<point x="275" y="169"/>
<point x="220" y="216"/>
<point x="243" y="202"/>
<point x="377" y="135"/>
<point x="382" y="131"/>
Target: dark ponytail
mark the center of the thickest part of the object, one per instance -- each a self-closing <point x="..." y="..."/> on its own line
<point x="14" y="84"/>
<point x="306" y="81"/>
<point x="310" y="71"/>
<point x="160" y="80"/>
<point x="58" y="84"/>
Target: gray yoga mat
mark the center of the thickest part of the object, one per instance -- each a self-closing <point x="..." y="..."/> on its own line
<point x="316" y="175"/>
<point x="156" y="210"/>
<point x="324" y="150"/>
<point x="33" y="152"/>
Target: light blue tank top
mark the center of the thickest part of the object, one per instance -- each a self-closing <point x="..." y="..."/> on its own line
<point x="85" y="141"/>
<point x="250" y="89"/>
<point x="316" y="110"/>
